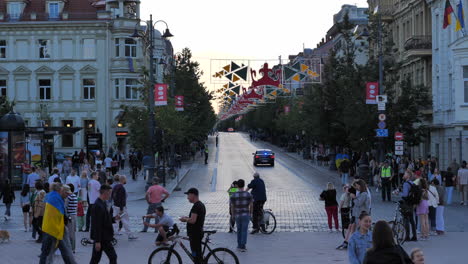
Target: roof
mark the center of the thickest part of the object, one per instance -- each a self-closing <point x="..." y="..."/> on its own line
<point x="263" y="150"/>
<point x="76" y="9"/>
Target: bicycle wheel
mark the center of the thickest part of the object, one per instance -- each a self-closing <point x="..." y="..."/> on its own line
<point x="221" y="255"/>
<point x="164" y="255"/>
<point x="268" y="225"/>
<point x="399" y="232"/>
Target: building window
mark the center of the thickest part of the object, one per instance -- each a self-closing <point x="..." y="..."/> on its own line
<point x="44" y="89"/>
<point x="15" y="10"/>
<point x="44" y="48"/>
<point x="465" y="82"/>
<point x="53" y="11"/>
<point x="89" y="49"/>
<point x="67" y="139"/>
<point x="117" y="47"/>
<point x="131" y="86"/>
<point x="117" y="88"/>
<point x="130" y="47"/>
<point x="89" y="89"/>
<point x="3" y="88"/>
<point x="2" y="49"/>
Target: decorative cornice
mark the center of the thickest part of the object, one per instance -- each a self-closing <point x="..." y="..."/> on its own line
<point x="88" y="69"/>
<point x="44" y="70"/>
<point x="66" y="70"/>
<point x="21" y="70"/>
<point x="4" y="71"/>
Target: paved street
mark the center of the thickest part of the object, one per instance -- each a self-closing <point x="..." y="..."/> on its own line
<point x="293" y="190"/>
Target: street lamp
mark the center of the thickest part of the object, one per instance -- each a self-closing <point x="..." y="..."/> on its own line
<point x="149" y="39"/>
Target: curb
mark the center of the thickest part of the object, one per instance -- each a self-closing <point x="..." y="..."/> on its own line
<point x="174" y="185"/>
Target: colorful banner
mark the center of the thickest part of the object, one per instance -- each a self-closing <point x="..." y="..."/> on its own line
<point x="160" y="94"/>
<point x="372" y="90"/>
<point x="179" y="103"/>
<point x="34" y="148"/>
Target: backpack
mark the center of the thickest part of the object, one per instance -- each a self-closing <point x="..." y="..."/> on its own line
<point x="414" y="195"/>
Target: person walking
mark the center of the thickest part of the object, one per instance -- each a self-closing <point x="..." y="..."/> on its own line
<point x="71" y="205"/>
<point x="422" y="211"/>
<point x="55" y="175"/>
<point x="93" y="193"/>
<point x="195" y="222"/>
<point x="32" y="178"/>
<point x="155" y="195"/>
<point x="386" y="179"/>
<point x="241" y="210"/>
<point x="8" y="195"/>
<point x="102" y="231"/>
<point x="38" y="209"/>
<point x="80" y="215"/>
<point x="119" y="197"/>
<point x="462" y="182"/>
<point x="83" y="194"/>
<point x="102" y="176"/>
<point x="433" y="204"/>
<point x="257" y="185"/>
<point x="217" y="140"/>
<point x="76" y="162"/>
<point x="25" y="203"/>
<point x="344" y="170"/>
<point x="408" y="205"/>
<point x="449" y="180"/>
<point x="331" y="205"/>
<point x="122" y="160"/>
<point x="74" y="179"/>
<point x="206" y="154"/>
<point x="384" y="250"/>
<point x="55" y="233"/>
<point x="361" y="240"/>
<point x="233" y="189"/>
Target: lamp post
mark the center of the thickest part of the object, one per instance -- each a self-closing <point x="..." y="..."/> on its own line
<point x="381" y="86"/>
<point x="151" y="122"/>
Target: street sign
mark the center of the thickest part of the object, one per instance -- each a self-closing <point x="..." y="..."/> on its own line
<point x="381" y="106"/>
<point x="381" y="132"/>
<point x="398" y="148"/>
<point x="382" y="117"/>
<point x="381" y="99"/>
<point x="399" y="153"/>
<point x="382" y="125"/>
<point x="398" y="136"/>
<point x="398" y="143"/>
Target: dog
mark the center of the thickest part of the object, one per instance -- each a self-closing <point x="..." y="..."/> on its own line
<point x="4" y="236"/>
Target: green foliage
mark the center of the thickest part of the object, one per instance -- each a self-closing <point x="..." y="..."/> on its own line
<point x="5" y="105"/>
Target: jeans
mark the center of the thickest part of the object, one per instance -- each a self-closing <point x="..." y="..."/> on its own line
<point x="72" y="231"/>
<point x="151" y="210"/>
<point x="449" y="191"/>
<point x="107" y="247"/>
<point x="407" y="220"/>
<point x="344" y="178"/>
<point x="386" y="189"/>
<point x="432" y="217"/>
<point x="7" y="211"/>
<point x="257" y="214"/>
<point x="48" y="249"/>
<point x="242" y="223"/>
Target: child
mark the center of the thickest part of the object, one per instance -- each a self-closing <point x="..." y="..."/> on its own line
<point x="417" y="256"/>
<point x="80" y="215"/>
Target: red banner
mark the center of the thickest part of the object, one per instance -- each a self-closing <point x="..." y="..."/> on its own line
<point x="372" y="90"/>
<point x="179" y="102"/>
<point x="160" y="94"/>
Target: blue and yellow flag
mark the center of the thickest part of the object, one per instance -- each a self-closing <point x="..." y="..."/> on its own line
<point x="53" y="223"/>
<point x="460" y="24"/>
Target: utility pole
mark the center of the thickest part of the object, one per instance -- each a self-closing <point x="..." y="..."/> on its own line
<point x="381" y="86"/>
<point x="151" y="123"/>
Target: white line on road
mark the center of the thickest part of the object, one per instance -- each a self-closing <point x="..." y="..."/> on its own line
<point x="214" y="179"/>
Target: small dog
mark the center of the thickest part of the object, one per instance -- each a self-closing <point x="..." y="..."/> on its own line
<point x="4" y="236"/>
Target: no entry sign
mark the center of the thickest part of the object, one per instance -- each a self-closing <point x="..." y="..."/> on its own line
<point x="398" y="136"/>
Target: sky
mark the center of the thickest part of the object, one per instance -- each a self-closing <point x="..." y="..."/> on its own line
<point x="243" y="29"/>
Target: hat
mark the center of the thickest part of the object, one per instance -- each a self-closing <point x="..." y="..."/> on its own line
<point x="192" y="190"/>
<point x="67" y="189"/>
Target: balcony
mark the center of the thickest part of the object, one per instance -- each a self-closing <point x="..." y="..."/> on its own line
<point x="418" y="46"/>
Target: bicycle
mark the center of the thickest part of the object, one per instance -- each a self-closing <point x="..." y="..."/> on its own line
<point x="169" y="255"/>
<point x="397" y="225"/>
<point x="267" y="224"/>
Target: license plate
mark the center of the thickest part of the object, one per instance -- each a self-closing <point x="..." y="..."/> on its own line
<point x="265" y="160"/>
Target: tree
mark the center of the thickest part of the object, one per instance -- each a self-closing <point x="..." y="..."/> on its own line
<point x="5" y="105"/>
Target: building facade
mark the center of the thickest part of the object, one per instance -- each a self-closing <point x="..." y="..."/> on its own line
<point x="450" y="88"/>
<point x="73" y="64"/>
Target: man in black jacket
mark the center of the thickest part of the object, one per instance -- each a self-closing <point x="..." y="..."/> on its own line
<point x="257" y="186"/>
<point x="119" y="197"/>
<point x="102" y="231"/>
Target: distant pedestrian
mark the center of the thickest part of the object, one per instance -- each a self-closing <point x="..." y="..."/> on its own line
<point x="102" y="231"/>
<point x="331" y="205"/>
<point x="206" y="154"/>
<point x="32" y="178"/>
<point x="155" y="195"/>
<point x="386" y="178"/>
<point x="241" y="210"/>
<point x="76" y="162"/>
<point x="38" y="208"/>
<point x="422" y="211"/>
<point x="417" y="256"/>
<point x="361" y="240"/>
<point x="108" y="165"/>
<point x="71" y="206"/>
<point x="217" y="140"/>
<point x="439" y="221"/>
<point x="84" y="189"/>
<point x="80" y="215"/>
<point x="102" y="176"/>
<point x="122" y="160"/>
<point x="93" y="193"/>
<point x="233" y="189"/>
<point x="433" y="204"/>
<point x="8" y="195"/>
<point x="384" y="250"/>
<point x="25" y="202"/>
<point x="74" y="179"/>
<point x="257" y="185"/>
<point x="119" y="198"/>
<point x="410" y="200"/>
<point x="195" y="222"/>
<point x="66" y="167"/>
<point x="55" y="175"/>
<point x="462" y="182"/>
<point x="344" y="170"/>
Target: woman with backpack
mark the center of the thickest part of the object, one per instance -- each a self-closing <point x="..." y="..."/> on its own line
<point x="8" y="197"/>
<point x="422" y="211"/>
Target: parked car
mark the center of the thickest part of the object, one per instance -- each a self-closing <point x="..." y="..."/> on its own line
<point x="264" y="156"/>
<point x="230" y="129"/>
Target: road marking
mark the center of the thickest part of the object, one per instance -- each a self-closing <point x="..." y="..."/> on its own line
<point x="214" y="179"/>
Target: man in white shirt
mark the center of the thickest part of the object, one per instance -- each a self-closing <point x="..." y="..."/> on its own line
<point x="75" y="180"/>
<point x="93" y="194"/>
<point x="55" y="173"/>
<point x="32" y="178"/>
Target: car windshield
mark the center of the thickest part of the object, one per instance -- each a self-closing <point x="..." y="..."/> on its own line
<point x="264" y="152"/>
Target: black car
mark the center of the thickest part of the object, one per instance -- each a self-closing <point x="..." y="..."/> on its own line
<point x="264" y="156"/>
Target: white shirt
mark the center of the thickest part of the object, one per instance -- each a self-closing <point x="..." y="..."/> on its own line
<point x="93" y="190"/>
<point x="52" y="178"/>
<point x="32" y="178"/>
<point x="75" y="180"/>
<point x="108" y="162"/>
<point x="433" y="196"/>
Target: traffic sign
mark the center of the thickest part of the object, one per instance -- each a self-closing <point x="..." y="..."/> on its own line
<point x="382" y="125"/>
<point x="398" y="143"/>
<point x="381" y="106"/>
<point x="398" y="136"/>
<point x="399" y="153"/>
<point x="381" y="132"/>
<point x="382" y="117"/>
<point x="398" y="148"/>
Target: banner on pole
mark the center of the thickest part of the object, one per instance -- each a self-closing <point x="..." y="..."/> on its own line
<point x="179" y="102"/>
<point x="372" y="90"/>
<point x="160" y="94"/>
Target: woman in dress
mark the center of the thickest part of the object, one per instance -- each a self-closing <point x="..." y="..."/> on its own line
<point x="422" y="211"/>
